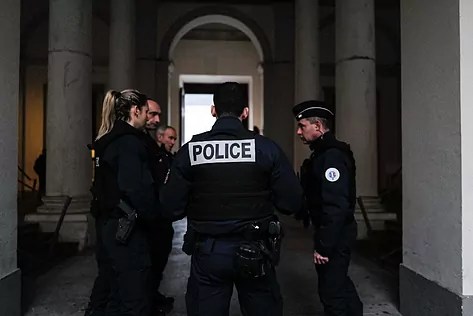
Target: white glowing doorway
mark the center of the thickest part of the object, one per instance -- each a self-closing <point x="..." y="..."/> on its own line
<point x="196" y="100"/>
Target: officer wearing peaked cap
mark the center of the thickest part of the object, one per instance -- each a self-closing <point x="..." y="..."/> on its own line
<point x="228" y="181"/>
<point x="329" y="187"/>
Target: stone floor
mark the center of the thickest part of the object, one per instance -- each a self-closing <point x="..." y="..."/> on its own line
<point x="64" y="290"/>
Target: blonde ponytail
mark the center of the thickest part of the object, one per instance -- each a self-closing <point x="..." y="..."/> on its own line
<point x="108" y="113"/>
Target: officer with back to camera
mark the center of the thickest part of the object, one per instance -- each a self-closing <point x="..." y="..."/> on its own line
<point x="329" y="187"/>
<point x="228" y="181"/>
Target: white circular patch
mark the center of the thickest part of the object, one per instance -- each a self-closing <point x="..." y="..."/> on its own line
<point x="332" y="174"/>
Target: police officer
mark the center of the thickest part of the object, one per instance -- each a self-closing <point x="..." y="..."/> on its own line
<point x="228" y="181"/>
<point x="127" y="199"/>
<point x="330" y="193"/>
<point x="159" y="232"/>
<point x="166" y="137"/>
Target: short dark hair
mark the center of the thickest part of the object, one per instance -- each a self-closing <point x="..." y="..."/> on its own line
<point x="326" y="123"/>
<point x="229" y="99"/>
<point x="162" y="128"/>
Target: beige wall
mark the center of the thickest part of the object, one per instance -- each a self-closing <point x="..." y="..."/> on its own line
<point x="36" y="78"/>
<point x="216" y="58"/>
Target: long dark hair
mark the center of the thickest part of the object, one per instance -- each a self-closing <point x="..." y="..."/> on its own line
<point x="117" y="106"/>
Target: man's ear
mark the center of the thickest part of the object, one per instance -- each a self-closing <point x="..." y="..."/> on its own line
<point x="213" y="111"/>
<point x="245" y="113"/>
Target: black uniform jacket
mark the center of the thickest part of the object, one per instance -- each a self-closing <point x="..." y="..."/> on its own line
<point x="330" y="191"/>
<point x="286" y="192"/>
<point x="123" y="171"/>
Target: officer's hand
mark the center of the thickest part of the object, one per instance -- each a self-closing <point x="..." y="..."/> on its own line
<point x="318" y="259"/>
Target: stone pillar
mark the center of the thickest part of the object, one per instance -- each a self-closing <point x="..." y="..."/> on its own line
<point x="307" y="78"/>
<point x="355" y="80"/>
<point x="277" y="124"/>
<point x="122" y="45"/>
<point x="146" y="48"/>
<point x="10" y="278"/>
<point x="436" y="277"/>
<point x="69" y="118"/>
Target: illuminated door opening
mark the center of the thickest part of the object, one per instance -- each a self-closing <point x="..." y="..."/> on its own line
<point x="196" y="101"/>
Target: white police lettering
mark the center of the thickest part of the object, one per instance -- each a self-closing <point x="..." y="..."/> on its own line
<point x="221" y="151"/>
<point x="332" y="174"/>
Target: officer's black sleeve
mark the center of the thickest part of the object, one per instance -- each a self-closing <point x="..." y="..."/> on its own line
<point x="134" y="177"/>
<point x="335" y="203"/>
<point x="174" y="194"/>
<point x="286" y="190"/>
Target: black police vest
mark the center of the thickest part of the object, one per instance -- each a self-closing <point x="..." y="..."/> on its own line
<point x="227" y="184"/>
<point x="105" y="190"/>
<point x="105" y="187"/>
<point x="345" y="148"/>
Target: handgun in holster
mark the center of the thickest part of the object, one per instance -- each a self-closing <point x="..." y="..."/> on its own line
<point x="260" y="250"/>
<point x="125" y="223"/>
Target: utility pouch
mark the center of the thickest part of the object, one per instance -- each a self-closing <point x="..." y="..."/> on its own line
<point x="250" y="260"/>
<point x="275" y="241"/>
<point x="125" y="223"/>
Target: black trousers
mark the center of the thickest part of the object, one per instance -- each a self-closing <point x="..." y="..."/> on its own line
<point x="131" y="270"/>
<point x="336" y="290"/>
<point x="100" y="295"/>
<point x="160" y="238"/>
<point x="213" y="274"/>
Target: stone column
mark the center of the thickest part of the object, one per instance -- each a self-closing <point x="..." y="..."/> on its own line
<point x="307" y="78"/>
<point x="122" y="45"/>
<point x="355" y="78"/>
<point x="146" y="47"/>
<point x="436" y="276"/>
<point x="10" y="278"/>
<point x="162" y="88"/>
<point x="278" y="124"/>
<point x="69" y="118"/>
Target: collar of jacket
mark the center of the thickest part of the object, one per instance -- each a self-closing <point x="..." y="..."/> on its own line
<point x="227" y="123"/>
<point x="322" y="142"/>
<point x="119" y="129"/>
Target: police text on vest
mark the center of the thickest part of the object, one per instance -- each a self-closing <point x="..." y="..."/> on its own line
<point x="222" y="151"/>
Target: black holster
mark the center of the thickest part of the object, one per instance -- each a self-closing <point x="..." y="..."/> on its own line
<point x="125" y="223"/>
<point x="250" y="260"/>
<point x="261" y="248"/>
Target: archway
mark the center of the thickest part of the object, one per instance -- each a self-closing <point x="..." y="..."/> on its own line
<point x="230" y="19"/>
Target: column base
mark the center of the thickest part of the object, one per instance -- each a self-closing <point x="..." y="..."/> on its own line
<point x="377" y="216"/>
<point x="422" y="297"/>
<point x="54" y="204"/>
<point x="75" y="227"/>
<point x="10" y="294"/>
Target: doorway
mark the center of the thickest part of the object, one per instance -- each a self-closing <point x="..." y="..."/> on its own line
<point x="196" y="101"/>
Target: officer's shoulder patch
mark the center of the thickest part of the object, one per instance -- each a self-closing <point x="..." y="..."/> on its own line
<point x="332" y="174"/>
<point x="222" y="151"/>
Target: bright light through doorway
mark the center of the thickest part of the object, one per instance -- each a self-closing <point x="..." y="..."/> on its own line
<point x="196" y="113"/>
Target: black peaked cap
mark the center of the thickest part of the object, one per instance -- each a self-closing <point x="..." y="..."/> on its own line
<point x="312" y="108"/>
